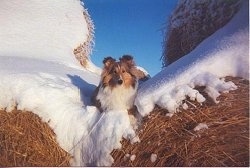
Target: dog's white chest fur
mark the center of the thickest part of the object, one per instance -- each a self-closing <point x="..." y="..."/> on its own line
<point x="117" y="98"/>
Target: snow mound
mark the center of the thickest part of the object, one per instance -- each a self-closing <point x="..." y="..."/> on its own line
<point x="225" y="53"/>
<point x="35" y="28"/>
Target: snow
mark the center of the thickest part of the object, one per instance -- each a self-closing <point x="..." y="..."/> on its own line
<point x="200" y="126"/>
<point x="132" y="157"/>
<point x="39" y="73"/>
<point x="105" y="137"/>
<point x="153" y="157"/>
<point x="185" y="106"/>
<point x="127" y="155"/>
<point x="225" y="53"/>
<point x="34" y="28"/>
<point x="143" y="70"/>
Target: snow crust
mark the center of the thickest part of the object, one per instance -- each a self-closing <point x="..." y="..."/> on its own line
<point x="225" y="53"/>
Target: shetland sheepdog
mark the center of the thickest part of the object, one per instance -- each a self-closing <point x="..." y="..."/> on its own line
<point x="118" y="85"/>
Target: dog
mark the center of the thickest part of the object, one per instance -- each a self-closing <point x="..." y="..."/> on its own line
<point x="118" y="85"/>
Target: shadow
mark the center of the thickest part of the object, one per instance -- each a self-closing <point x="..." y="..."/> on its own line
<point x="86" y="89"/>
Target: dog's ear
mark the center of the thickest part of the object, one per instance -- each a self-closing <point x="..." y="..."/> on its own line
<point x="108" y="61"/>
<point x="128" y="59"/>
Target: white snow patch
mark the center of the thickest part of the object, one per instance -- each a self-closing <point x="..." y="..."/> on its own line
<point x="132" y="157"/>
<point x="143" y="70"/>
<point x="185" y="106"/>
<point x="127" y="155"/>
<point x="200" y="126"/>
<point x="169" y="114"/>
<point x="153" y="157"/>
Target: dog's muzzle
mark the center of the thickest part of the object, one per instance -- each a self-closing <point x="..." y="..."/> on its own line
<point x="120" y="81"/>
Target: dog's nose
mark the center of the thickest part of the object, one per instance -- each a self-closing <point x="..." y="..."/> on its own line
<point x="120" y="81"/>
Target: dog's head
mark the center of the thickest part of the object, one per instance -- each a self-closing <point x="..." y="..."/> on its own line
<point x="118" y="73"/>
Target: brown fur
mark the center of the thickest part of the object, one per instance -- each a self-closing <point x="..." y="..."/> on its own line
<point x="114" y="71"/>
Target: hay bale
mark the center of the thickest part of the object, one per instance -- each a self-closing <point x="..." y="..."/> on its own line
<point x="27" y="141"/>
<point x="192" y="22"/>
<point x="175" y="143"/>
<point x="83" y="51"/>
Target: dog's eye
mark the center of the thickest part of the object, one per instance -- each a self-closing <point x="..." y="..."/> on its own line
<point x="114" y="72"/>
<point x="123" y="71"/>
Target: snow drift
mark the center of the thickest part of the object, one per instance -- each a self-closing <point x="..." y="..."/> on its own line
<point x="225" y="53"/>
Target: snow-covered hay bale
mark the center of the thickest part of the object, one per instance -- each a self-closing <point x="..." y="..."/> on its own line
<point x="61" y="32"/>
<point x="192" y="22"/>
<point x="83" y="51"/>
<point x="27" y="141"/>
<point x="204" y="135"/>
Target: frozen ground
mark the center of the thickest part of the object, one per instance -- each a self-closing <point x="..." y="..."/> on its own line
<point x="39" y="73"/>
